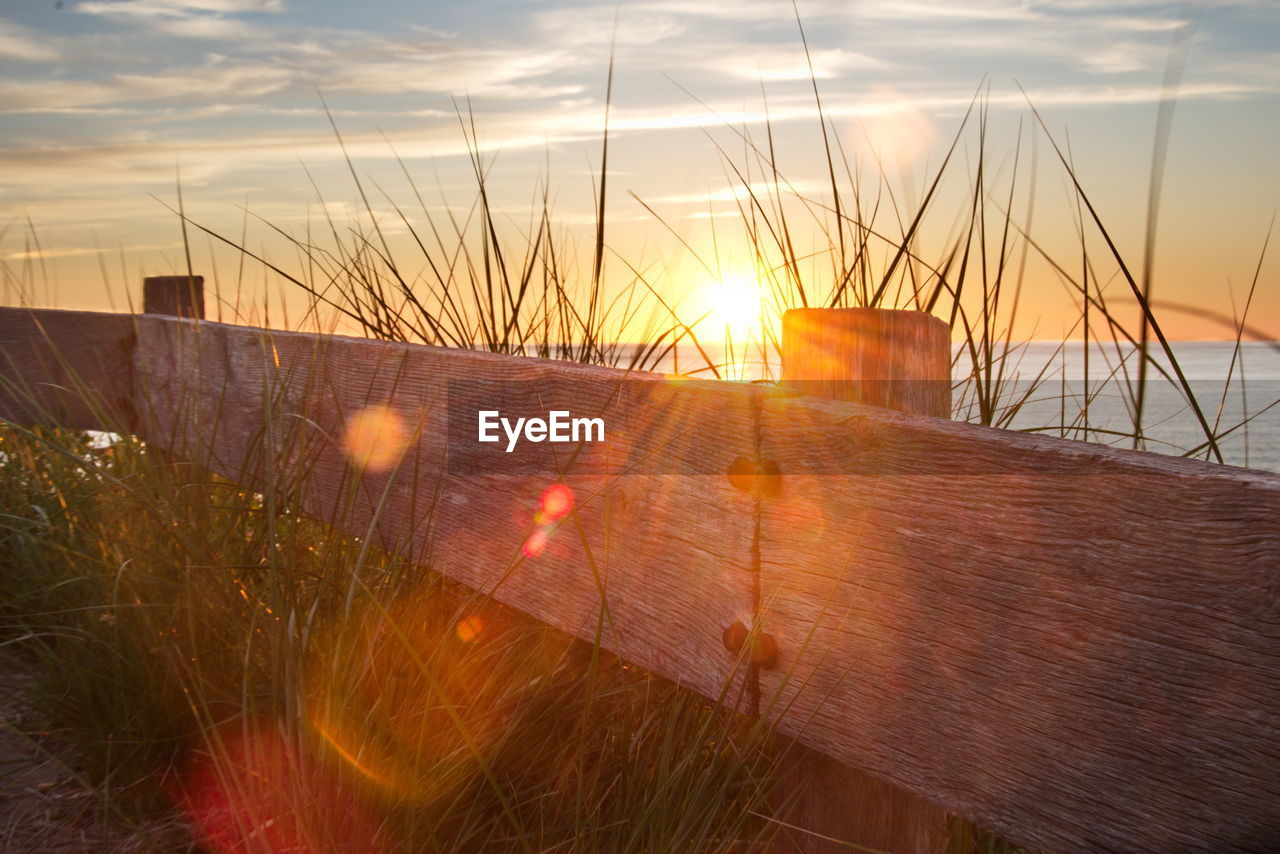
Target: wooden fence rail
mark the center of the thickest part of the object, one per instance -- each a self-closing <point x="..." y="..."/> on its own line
<point x="1074" y="646"/>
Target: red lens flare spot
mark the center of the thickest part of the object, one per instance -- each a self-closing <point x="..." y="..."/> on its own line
<point x="375" y="438"/>
<point x="254" y="792"/>
<point x="536" y="544"/>
<point x="469" y="628"/>
<point x="555" y="504"/>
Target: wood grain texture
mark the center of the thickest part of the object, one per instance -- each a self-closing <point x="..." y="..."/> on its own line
<point x="1074" y="646"/>
<point x="66" y="368"/>
<point x="668" y="554"/>
<point x="898" y="360"/>
<point x="880" y="357"/>
<point x="837" y="808"/>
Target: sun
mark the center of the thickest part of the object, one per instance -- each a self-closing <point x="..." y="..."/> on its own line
<point x="736" y="303"/>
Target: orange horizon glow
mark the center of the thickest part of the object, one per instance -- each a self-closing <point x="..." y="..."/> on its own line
<point x="97" y="143"/>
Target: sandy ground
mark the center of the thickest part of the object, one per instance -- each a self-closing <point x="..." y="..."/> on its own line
<point x="42" y="806"/>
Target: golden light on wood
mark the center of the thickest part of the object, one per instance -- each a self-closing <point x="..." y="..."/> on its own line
<point x="375" y="438"/>
<point x="877" y="627"/>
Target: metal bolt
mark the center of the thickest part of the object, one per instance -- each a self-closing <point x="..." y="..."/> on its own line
<point x="742" y="474"/>
<point x="769" y="483"/>
<point x="735" y="636"/>
<point x="764" y="647"/>
<point x="764" y="652"/>
<point x="763" y="478"/>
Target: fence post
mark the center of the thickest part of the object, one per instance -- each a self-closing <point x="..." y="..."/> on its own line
<point x="897" y="360"/>
<point x="179" y="296"/>
<point x="172" y="296"/>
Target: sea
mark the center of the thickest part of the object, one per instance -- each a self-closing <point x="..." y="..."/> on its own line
<point x="1233" y="394"/>
<point x="1043" y="387"/>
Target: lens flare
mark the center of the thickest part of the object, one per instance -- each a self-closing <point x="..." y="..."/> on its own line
<point x="339" y="747"/>
<point x="536" y="544"/>
<point x="409" y="702"/>
<point x="469" y="628"/>
<point x="375" y="438"/>
<point x="253" y="791"/>
<point x="555" y="503"/>
<point x="893" y="132"/>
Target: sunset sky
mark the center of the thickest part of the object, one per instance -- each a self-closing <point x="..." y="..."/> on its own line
<point x="103" y="100"/>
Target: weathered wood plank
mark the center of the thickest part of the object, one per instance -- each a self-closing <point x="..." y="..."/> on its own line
<point x="841" y="809"/>
<point x="898" y="360"/>
<point x="176" y="296"/>
<point x="891" y="358"/>
<point x="66" y="368"/>
<point x="1074" y="646"/>
<point x="659" y="534"/>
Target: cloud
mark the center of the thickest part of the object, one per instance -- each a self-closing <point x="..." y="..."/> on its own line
<point x="205" y="27"/>
<point x="449" y="69"/>
<point x="773" y="63"/>
<point x="199" y="19"/>
<point x="212" y="80"/>
<point x="19" y="43"/>
<point x="169" y="8"/>
<point x="924" y="11"/>
<point x="245" y="106"/>
<point x="1135" y="24"/>
<point x="71" y="252"/>
<point x="740" y="192"/>
<point x="142" y="158"/>
<point x="749" y="11"/>
<point x="594" y="26"/>
<point x="1055" y="45"/>
<point x="1108" y="5"/>
<point x="1121" y="57"/>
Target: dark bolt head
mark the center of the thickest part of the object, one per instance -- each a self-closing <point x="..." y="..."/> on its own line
<point x="742" y="474"/>
<point x="764" y="652"/>
<point x="763" y="478"/>
<point x="735" y="636"/>
<point x="769" y="483"/>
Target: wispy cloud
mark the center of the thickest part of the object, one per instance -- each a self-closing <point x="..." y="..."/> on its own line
<point x="749" y="11"/>
<point x="19" y="43"/>
<point x="170" y="8"/>
<point x="74" y="251"/>
<point x="599" y="26"/>
<point x="739" y="192"/>
<point x="790" y="63"/>
<point x="925" y="11"/>
<point x="144" y="158"/>
<point x="447" y="69"/>
<point x="200" y="19"/>
<point x="214" y="79"/>
<point x="127" y="87"/>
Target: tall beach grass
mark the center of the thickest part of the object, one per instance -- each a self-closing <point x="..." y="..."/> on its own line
<point x="200" y="645"/>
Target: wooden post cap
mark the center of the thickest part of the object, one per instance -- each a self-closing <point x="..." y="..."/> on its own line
<point x="896" y="360"/>
<point x="178" y="296"/>
<point x="881" y="357"/>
